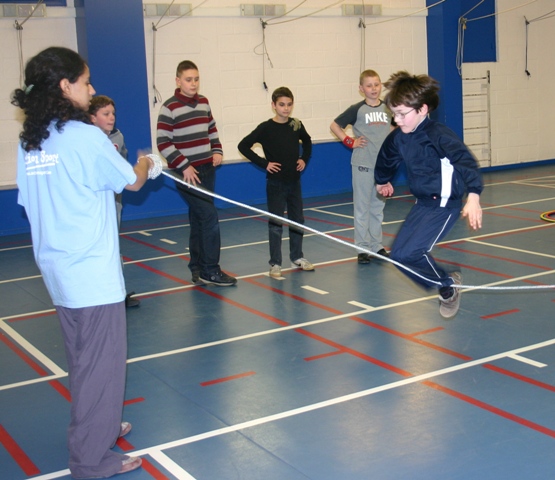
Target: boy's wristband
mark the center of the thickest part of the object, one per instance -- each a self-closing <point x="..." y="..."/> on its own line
<point x="349" y="141"/>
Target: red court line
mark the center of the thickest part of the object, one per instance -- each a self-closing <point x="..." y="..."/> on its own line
<point x="425" y="332"/>
<point x="354" y="353"/>
<point x="410" y="337"/>
<point x="492" y="409"/>
<point x="131" y="401"/>
<point x="323" y="355"/>
<point x="309" y="205"/>
<point x="500" y="314"/>
<point x="475" y="402"/>
<point x="504" y="234"/>
<point x="226" y="379"/>
<point x="487" y="272"/>
<point x="360" y="320"/>
<point x="17" y="453"/>
<point x="504" y="259"/>
<point x="522" y="378"/>
<point x="529" y="210"/>
<point x="244" y="307"/>
<point x="61" y="389"/>
<point x="127" y="446"/>
<point x="153" y="471"/>
<point x="26" y="358"/>
<point x="154" y="247"/>
<point x="32" y="316"/>
<point x="321" y="220"/>
<point x="489" y="212"/>
<point x="163" y="274"/>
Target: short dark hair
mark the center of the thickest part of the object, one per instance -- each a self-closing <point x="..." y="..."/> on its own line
<point x="185" y="65"/>
<point x="98" y="102"/>
<point x="42" y="99"/>
<point x="412" y="91"/>
<point x="282" y="92"/>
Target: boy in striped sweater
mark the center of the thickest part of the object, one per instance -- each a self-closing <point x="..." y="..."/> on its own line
<point x="187" y="137"/>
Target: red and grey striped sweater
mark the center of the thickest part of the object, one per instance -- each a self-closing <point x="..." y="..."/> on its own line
<point x="186" y="132"/>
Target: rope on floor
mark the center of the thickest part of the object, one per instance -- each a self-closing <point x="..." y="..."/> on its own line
<point x="347" y="244"/>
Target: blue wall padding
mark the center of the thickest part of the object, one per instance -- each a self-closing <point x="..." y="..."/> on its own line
<point x="480" y="38"/>
<point x="111" y="37"/>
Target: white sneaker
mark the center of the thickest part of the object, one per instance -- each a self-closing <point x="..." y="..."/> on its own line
<point x="303" y="264"/>
<point x="449" y="307"/>
<point x="275" y="271"/>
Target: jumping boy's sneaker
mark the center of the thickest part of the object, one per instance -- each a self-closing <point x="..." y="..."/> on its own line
<point x="448" y="307"/>
<point x="275" y="271"/>
<point x="219" y="278"/>
<point x="303" y="264"/>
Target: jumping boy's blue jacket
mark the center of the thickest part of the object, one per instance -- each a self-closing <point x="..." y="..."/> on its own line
<point x="440" y="168"/>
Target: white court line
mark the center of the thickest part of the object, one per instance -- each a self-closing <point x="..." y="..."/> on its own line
<point x="520" y="250"/>
<point x="331" y="232"/>
<point x="319" y="405"/>
<point x="315" y="290"/>
<point x="529" y="361"/>
<point x="344" y="398"/>
<point x="543" y="185"/>
<point x="366" y="309"/>
<point x="144" y="232"/>
<point x="26" y="383"/>
<point x="171" y="242"/>
<point x="362" y="305"/>
<point x="247" y="217"/>
<point x="31" y="349"/>
<point x="172" y="467"/>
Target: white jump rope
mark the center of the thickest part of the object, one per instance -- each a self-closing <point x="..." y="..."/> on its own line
<point x="158" y="168"/>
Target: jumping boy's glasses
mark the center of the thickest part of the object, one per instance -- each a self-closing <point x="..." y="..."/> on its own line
<point x="401" y="115"/>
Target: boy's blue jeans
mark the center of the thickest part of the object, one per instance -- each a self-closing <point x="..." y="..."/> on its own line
<point x="279" y="196"/>
<point x="204" y="239"/>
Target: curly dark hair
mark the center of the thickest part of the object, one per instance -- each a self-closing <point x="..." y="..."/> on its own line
<point x="42" y="99"/>
<point x="412" y="91"/>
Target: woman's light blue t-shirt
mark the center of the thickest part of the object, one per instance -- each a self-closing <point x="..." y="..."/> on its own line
<point x="67" y="188"/>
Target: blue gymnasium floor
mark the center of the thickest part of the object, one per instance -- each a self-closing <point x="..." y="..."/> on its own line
<point x="348" y="372"/>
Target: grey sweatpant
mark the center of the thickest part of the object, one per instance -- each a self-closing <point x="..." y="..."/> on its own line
<point x="368" y="209"/>
<point x="96" y="349"/>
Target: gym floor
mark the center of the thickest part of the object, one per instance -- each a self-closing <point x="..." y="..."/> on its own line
<point x="348" y="372"/>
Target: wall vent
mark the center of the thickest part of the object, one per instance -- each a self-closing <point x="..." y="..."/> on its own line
<point x="159" y="9"/>
<point x="17" y="10"/>
<point x="261" y="10"/>
<point x="359" y="10"/>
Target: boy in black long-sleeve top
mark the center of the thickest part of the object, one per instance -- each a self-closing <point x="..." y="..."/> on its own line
<point x="280" y="137"/>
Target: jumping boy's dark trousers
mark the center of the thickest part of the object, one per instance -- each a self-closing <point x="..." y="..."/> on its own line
<point x="279" y="196"/>
<point x="204" y="239"/>
<point x="422" y="229"/>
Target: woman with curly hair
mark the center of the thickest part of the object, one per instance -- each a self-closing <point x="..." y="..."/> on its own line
<point x="67" y="173"/>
